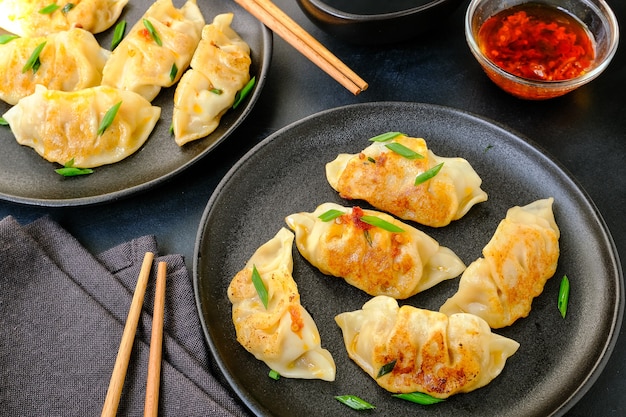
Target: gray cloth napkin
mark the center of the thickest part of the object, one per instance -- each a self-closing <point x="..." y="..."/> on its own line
<point x="62" y="314"/>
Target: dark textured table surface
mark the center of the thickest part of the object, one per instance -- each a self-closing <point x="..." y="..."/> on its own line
<point x="584" y="130"/>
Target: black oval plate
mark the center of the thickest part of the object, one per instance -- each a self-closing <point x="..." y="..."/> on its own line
<point x="558" y="360"/>
<point x="27" y="178"/>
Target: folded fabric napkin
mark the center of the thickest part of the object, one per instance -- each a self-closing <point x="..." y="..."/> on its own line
<point x="62" y="315"/>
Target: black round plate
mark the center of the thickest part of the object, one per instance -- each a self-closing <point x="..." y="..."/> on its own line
<point x="558" y="360"/>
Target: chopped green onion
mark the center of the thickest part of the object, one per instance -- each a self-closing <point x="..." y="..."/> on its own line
<point x="6" y="38"/>
<point x="259" y="286"/>
<point x="3" y="122"/>
<point x="368" y="237"/>
<point x="148" y="25"/>
<point x="173" y="72"/>
<point x="563" y="295"/>
<point x="217" y="91"/>
<point x="33" y="61"/>
<point x="386" y="368"/>
<point x="69" y="170"/>
<point x="274" y="375"/>
<point x="372" y="160"/>
<point x="331" y="214"/>
<point x="107" y="120"/>
<point x="488" y="148"/>
<point x="67" y="8"/>
<point x="383" y="224"/>
<point x="118" y="34"/>
<point x="243" y="93"/>
<point x="172" y="128"/>
<point x="402" y="150"/>
<point x="386" y="137"/>
<point x="49" y="9"/>
<point x="419" y="398"/>
<point x="354" y="402"/>
<point x="426" y="175"/>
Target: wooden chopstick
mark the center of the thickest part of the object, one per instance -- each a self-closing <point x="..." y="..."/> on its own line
<point x="285" y="27"/>
<point x="156" y="345"/>
<point x="116" y="384"/>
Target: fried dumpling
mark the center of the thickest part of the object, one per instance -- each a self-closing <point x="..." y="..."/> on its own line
<point x="64" y="126"/>
<point x="387" y="180"/>
<point x="23" y="17"/>
<point x="220" y="67"/>
<point x="383" y="257"/>
<point x="433" y="353"/>
<point x="146" y="60"/>
<point x="70" y="60"/>
<point x="518" y="260"/>
<point x="283" y="334"/>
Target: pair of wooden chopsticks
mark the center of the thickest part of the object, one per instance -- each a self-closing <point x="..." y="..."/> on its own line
<point x="281" y="24"/>
<point x="114" y="392"/>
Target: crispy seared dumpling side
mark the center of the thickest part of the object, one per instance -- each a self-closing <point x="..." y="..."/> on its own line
<point x="386" y="180"/>
<point x="140" y="64"/>
<point x="220" y="67"/>
<point x="435" y="354"/>
<point x="518" y="260"/>
<point x="373" y="259"/>
<point x="62" y="126"/>
<point x="70" y="60"/>
<point x="22" y="17"/>
<point x="283" y="335"/>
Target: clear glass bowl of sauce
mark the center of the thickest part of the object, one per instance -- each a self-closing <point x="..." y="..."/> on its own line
<point x="541" y="49"/>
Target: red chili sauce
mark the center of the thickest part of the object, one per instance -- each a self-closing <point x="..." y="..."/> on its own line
<point x="538" y="42"/>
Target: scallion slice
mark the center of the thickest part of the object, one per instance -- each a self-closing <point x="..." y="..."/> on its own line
<point x="6" y="38"/>
<point x="354" y="402"/>
<point x="216" y="91"/>
<point x="173" y="72"/>
<point x="118" y="34"/>
<point x="563" y="295"/>
<point x="259" y="286"/>
<point x="69" y="170"/>
<point x="385" y="137"/>
<point x="3" y="122"/>
<point x="402" y="150"/>
<point x="426" y="175"/>
<point x="331" y="214"/>
<point x="107" y="120"/>
<point x="33" y="61"/>
<point x="49" y="9"/>
<point x="243" y="93"/>
<point x="68" y="6"/>
<point x="148" y="25"/>
<point x="383" y="224"/>
<point x="419" y="398"/>
<point x="274" y="375"/>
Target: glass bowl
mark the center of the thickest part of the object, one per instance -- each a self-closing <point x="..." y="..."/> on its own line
<point x="596" y="15"/>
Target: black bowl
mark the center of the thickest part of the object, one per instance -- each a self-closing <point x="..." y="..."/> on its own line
<point x="376" y="22"/>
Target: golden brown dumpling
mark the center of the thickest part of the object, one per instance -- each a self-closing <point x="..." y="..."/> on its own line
<point x="433" y="353"/>
<point x="62" y="126"/>
<point x="372" y="258"/>
<point x="23" y="17"/>
<point x="283" y="334"/>
<point x="518" y="260"/>
<point x="69" y="61"/>
<point x="386" y="179"/>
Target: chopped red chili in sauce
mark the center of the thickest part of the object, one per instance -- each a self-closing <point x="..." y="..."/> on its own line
<point x="357" y="213"/>
<point x="537" y="42"/>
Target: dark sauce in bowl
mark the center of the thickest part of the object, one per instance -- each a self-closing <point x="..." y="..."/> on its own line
<point x="373" y="7"/>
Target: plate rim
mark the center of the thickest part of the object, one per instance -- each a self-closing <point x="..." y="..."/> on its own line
<point x="617" y="312"/>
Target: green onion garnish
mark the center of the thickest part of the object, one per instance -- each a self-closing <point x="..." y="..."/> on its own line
<point x="171" y="128"/>
<point x="419" y="398"/>
<point x="383" y="224"/>
<point x="426" y="175"/>
<point x="67" y="8"/>
<point x="33" y="61"/>
<point x="274" y="375"/>
<point x="386" y="137"/>
<point x="259" y="286"/>
<point x="216" y="91"/>
<point x="370" y="159"/>
<point x="107" y="120"/>
<point x="118" y="34"/>
<point x="563" y="295"/>
<point x="3" y="122"/>
<point x="6" y="38"/>
<point x="386" y="368"/>
<point x="152" y="31"/>
<point x="487" y="148"/>
<point x="368" y="237"/>
<point x="69" y="170"/>
<point x="49" y="9"/>
<point x="173" y="72"/>
<point x="354" y="402"/>
<point x="243" y="93"/>
<point x="402" y="150"/>
<point x="331" y="214"/>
